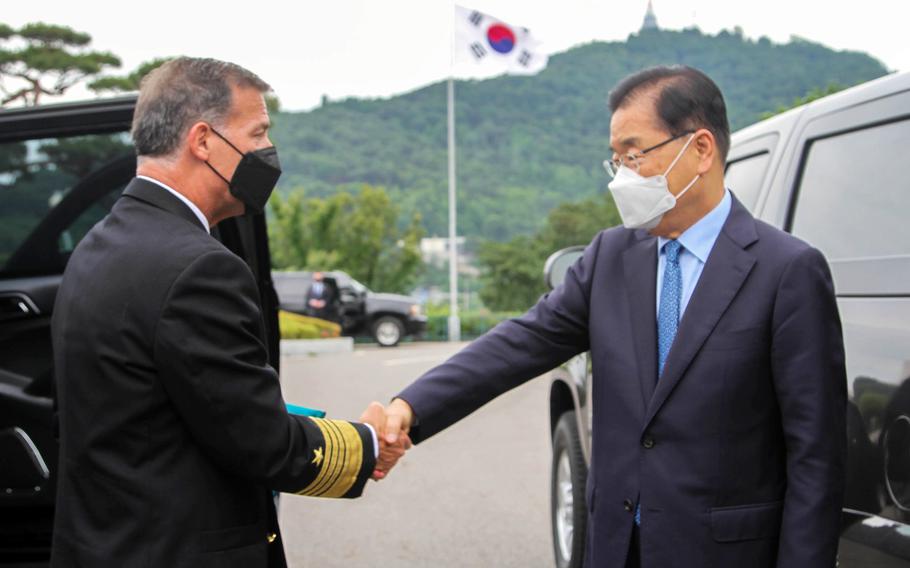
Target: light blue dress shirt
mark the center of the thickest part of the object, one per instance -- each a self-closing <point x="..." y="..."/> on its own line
<point x="697" y="242"/>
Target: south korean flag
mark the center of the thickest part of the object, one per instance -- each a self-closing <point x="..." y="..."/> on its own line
<point x="493" y="44"/>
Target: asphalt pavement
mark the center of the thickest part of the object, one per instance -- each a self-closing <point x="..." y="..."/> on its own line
<point x="475" y="495"/>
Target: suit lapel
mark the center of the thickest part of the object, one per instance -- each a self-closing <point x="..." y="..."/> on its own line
<point x="640" y="269"/>
<point x="161" y="198"/>
<point x="725" y="272"/>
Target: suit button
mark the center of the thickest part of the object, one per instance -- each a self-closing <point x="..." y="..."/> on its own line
<point x="647" y="442"/>
<point x="628" y="505"/>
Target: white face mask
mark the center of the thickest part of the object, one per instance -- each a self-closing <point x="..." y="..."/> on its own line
<point x="643" y="201"/>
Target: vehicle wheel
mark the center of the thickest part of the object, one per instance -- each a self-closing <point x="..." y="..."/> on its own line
<point x="388" y="331"/>
<point x="569" y="474"/>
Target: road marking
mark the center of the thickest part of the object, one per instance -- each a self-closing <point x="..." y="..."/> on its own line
<point x="413" y="360"/>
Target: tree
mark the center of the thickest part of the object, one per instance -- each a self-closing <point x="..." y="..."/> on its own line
<point x="815" y="94"/>
<point x="129" y="82"/>
<point x="357" y="233"/>
<point x="512" y="276"/>
<point x="132" y="81"/>
<point x="48" y="60"/>
<point x="577" y="222"/>
<point x="513" y="271"/>
<point x="81" y="155"/>
<point x="289" y="238"/>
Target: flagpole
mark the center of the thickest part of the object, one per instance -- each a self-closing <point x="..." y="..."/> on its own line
<point x="454" y="321"/>
<point x="520" y="64"/>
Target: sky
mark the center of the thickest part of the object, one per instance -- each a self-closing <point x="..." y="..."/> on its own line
<point x="369" y="48"/>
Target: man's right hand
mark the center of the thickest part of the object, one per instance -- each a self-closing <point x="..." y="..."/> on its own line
<point x="391" y="447"/>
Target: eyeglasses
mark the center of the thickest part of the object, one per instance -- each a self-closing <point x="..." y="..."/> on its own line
<point x="633" y="160"/>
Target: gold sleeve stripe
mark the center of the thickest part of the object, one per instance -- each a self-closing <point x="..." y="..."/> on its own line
<point x="351" y="458"/>
<point x="329" y="462"/>
<point x="336" y="461"/>
<point x="343" y="459"/>
<point x="338" y="476"/>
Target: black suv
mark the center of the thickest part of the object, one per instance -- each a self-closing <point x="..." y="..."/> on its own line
<point x="834" y="173"/>
<point x="62" y="167"/>
<point x="387" y="318"/>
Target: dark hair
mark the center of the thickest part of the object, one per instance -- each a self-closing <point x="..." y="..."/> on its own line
<point x="181" y="92"/>
<point x="686" y="99"/>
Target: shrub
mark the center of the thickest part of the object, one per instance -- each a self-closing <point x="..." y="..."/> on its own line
<point x="474" y="323"/>
<point x="296" y="326"/>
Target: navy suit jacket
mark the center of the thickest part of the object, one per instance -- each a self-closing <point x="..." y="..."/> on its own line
<point x="746" y="438"/>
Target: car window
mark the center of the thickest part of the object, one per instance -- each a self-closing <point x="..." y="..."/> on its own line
<point x="744" y="178"/>
<point x="852" y="199"/>
<point x="41" y="220"/>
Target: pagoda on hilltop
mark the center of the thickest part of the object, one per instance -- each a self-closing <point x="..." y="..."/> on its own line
<point x="650" y="22"/>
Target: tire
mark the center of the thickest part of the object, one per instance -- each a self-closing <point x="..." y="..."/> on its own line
<point x="388" y="331"/>
<point x="568" y="476"/>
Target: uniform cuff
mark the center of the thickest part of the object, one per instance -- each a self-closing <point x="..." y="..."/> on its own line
<point x="375" y="441"/>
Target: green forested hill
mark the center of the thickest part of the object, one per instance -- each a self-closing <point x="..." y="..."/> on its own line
<point x="526" y="144"/>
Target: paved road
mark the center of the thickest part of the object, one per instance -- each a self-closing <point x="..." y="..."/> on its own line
<point x="475" y="495"/>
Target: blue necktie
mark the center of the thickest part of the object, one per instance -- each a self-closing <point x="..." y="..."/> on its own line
<point x="667" y="315"/>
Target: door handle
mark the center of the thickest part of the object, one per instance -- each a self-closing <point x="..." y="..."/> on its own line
<point x="17" y="305"/>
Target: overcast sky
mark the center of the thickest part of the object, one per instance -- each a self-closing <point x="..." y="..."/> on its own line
<point x="370" y="48"/>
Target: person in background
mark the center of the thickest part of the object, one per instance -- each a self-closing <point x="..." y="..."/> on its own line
<point x="320" y="298"/>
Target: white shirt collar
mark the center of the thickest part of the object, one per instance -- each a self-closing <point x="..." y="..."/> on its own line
<point x="196" y="211"/>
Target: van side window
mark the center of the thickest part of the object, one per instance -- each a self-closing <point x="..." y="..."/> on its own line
<point x="54" y="191"/>
<point x="844" y="214"/>
<point x="744" y="178"/>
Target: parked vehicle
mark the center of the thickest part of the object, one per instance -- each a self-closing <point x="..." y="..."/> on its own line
<point x="62" y="167"/>
<point x="387" y="318"/>
<point x="832" y="172"/>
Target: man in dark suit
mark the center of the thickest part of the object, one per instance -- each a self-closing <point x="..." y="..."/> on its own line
<point x="719" y="382"/>
<point x="320" y="298"/>
<point x="173" y="429"/>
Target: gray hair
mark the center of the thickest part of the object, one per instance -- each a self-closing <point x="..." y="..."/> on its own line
<point x="180" y="93"/>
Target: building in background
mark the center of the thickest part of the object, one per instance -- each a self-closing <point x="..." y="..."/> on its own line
<point x="650" y="22"/>
<point x="435" y="250"/>
<point x="435" y="254"/>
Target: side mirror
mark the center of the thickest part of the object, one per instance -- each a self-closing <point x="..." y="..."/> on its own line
<point x="24" y="468"/>
<point x="554" y="270"/>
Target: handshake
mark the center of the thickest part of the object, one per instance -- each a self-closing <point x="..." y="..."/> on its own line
<point x="392" y="424"/>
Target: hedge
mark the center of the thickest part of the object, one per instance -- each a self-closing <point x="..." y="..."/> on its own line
<point x="296" y="326"/>
<point x="473" y="324"/>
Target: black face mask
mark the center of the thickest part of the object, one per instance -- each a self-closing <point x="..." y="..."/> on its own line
<point x="255" y="176"/>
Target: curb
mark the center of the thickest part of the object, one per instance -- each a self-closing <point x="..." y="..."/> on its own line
<point x="315" y="346"/>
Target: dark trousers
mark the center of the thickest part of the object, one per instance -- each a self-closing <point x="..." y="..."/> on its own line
<point x="634" y="558"/>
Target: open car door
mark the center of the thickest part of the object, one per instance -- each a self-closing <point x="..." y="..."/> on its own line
<point x="62" y="167"/>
